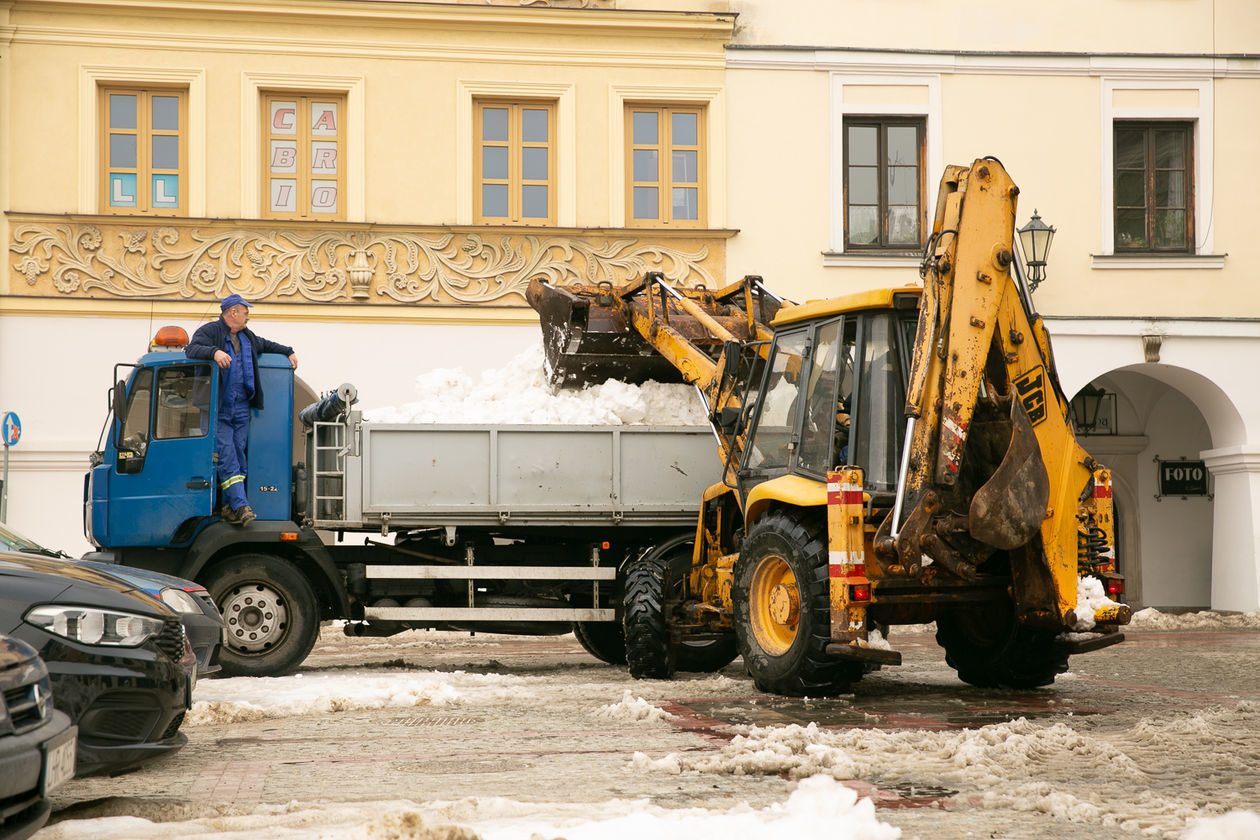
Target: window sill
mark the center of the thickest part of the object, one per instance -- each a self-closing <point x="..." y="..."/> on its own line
<point x="1156" y="261"/>
<point x="872" y="259"/>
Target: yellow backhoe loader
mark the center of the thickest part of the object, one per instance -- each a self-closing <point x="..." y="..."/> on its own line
<point x="890" y="457"/>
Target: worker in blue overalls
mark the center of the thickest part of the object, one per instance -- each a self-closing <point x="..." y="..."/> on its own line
<point x="235" y="349"/>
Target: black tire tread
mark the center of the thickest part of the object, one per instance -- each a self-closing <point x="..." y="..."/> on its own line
<point x="649" y="654"/>
<point x="604" y="640"/>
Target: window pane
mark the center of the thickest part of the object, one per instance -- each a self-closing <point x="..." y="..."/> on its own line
<point x="166" y="151"/>
<point x="122" y="189"/>
<point x="1130" y="189"/>
<point x="863" y="225"/>
<point x="323" y="196"/>
<point x="165" y="191"/>
<point x="1170" y="189"/>
<point x="324" y="119"/>
<point x="1130" y="229"/>
<point x="1170" y="229"/>
<point x="1130" y="149"/>
<point x="686" y="167"/>
<point x="494" y="162"/>
<point x="494" y="124"/>
<point x="165" y="113"/>
<point x="534" y="164"/>
<point x="821" y="405"/>
<point x="1170" y="150"/>
<point x="494" y="200"/>
<point x="323" y="157"/>
<point x="534" y="128"/>
<point x="645" y="128"/>
<point x="903" y="226"/>
<point x="284" y="117"/>
<point x="284" y="156"/>
<point x="686" y="203"/>
<point x="183" y="402"/>
<point x="903" y="145"/>
<point x="772" y="436"/>
<point x="685" y="130"/>
<point x="122" y="110"/>
<point x="534" y="201"/>
<point x="283" y="195"/>
<point x="122" y="150"/>
<point x="645" y="165"/>
<point x="646" y="202"/>
<point x="862" y="189"/>
<point x="903" y="185"/>
<point x="863" y="145"/>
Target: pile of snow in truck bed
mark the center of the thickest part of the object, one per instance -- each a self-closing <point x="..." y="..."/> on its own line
<point x="518" y="393"/>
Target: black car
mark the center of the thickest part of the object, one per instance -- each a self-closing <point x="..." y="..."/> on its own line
<point x="36" y="741"/>
<point x="120" y="662"/>
<point x="196" y="608"/>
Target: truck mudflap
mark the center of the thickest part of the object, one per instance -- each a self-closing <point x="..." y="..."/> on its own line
<point x="867" y="655"/>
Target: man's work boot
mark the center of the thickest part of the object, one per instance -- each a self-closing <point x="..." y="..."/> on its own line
<point x="245" y="515"/>
<point x="228" y="515"/>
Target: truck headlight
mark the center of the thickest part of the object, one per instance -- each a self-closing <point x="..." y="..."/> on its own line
<point x="93" y="626"/>
<point x="180" y="601"/>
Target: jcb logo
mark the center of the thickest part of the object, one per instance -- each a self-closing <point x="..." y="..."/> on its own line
<point x="1032" y="393"/>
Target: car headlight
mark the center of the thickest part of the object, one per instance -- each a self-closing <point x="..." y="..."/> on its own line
<point x="93" y="626"/>
<point x="180" y="601"/>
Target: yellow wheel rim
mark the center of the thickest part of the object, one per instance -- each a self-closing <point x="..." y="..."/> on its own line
<point x="774" y="605"/>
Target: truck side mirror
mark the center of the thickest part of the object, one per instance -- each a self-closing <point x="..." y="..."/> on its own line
<point x="119" y="399"/>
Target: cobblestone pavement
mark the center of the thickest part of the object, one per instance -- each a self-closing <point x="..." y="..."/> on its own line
<point x="546" y="744"/>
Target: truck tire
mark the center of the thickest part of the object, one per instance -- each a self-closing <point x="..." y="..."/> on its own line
<point x="699" y="655"/>
<point x="649" y="654"/>
<point x="604" y="640"/>
<point x="989" y="649"/>
<point x="270" y="613"/>
<point x="783" y="610"/>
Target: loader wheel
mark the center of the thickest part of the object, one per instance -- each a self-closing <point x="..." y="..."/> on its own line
<point x="649" y="654"/>
<point x="783" y="611"/>
<point x="269" y="612"/>
<point x="604" y="640"/>
<point x="699" y="655"/>
<point x="989" y="649"/>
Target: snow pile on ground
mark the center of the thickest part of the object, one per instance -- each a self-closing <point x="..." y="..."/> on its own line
<point x="819" y="807"/>
<point x="519" y="393"/>
<point x="1021" y="765"/>
<point x="1236" y="825"/>
<point x="255" y="698"/>
<point x="634" y="709"/>
<point x="1153" y="619"/>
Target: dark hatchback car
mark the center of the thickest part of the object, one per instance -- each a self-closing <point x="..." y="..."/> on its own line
<point x="191" y="600"/>
<point x="36" y="741"/>
<point x="120" y="662"/>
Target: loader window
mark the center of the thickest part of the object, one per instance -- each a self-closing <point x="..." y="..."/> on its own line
<point x="778" y="401"/>
<point x="133" y="436"/>
<point x="825" y="433"/>
<point x="882" y="396"/>
<point x="183" y="403"/>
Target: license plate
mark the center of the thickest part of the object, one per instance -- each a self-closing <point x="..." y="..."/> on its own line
<point x="59" y="762"/>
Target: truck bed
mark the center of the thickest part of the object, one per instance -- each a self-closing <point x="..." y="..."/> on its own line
<point x="392" y="476"/>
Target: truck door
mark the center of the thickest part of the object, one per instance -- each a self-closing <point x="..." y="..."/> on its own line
<point x="163" y="476"/>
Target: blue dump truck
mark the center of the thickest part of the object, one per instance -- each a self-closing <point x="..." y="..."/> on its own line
<point x="515" y="528"/>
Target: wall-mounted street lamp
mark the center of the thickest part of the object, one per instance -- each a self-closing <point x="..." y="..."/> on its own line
<point x="1034" y="240"/>
<point x="1091" y="411"/>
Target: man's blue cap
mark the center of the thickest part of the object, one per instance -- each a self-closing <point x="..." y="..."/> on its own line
<point x="232" y="300"/>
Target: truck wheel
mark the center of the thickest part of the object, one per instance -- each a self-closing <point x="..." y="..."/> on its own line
<point x="783" y="611"/>
<point x="989" y="649"/>
<point x="649" y="654"/>
<point x="604" y="640"/>
<point x="703" y="656"/>
<point x="270" y="612"/>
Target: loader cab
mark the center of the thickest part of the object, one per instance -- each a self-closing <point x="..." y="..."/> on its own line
<point x="832" y="394"/>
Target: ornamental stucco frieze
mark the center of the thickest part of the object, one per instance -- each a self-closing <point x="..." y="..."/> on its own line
<point x="102" y="258"/>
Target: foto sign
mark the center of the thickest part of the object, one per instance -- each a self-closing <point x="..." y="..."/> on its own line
<point x="1183" y="478"/>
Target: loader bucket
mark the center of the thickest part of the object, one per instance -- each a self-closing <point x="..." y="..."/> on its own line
<point x="588" y="340"/>
<point x="1008" y="510"/>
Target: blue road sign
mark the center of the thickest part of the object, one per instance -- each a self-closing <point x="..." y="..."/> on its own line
<point x="12" y="427"/>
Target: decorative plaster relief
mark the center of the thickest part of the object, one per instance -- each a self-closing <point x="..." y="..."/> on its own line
<point x="103" y="258"/>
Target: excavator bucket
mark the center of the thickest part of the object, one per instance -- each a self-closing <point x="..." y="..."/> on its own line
<point x="587" y="339"/>
<point x="595" y="333"/>
<point x="1008" y="510"/>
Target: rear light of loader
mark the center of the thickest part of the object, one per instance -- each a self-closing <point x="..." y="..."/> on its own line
<point x="1115" y="586"/>
<point x="860" y="592"/>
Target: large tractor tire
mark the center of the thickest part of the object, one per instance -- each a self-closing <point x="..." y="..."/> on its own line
<point x="270" y="612"/>
<point x="783" y="611"/>
<point x="700" y="655"/>
<point x="649" y="654"/>
<point x="989" y="649"/>
<point x="604" y="640"/>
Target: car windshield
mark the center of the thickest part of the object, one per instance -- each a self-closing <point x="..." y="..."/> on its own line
<point x="13" y="541"/>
